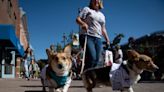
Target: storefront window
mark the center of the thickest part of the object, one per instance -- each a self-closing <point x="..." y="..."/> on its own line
<point x="8" y="69"/>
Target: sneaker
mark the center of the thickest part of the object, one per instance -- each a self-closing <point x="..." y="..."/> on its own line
<point x="27" y="79"/>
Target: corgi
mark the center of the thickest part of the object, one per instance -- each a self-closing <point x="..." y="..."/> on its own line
<point x="56" y="75"/>
<point x="122" y="78"/>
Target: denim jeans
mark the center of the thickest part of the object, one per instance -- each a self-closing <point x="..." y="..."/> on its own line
<point x="93" y="50"/>
<point x="26" y="66"/>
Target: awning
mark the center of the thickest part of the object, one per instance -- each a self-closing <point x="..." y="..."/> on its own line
<point x="8" y="39"/>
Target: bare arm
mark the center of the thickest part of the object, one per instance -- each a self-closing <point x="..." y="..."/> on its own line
<point x="104" y="33"/>
<point x="82" y="24"/>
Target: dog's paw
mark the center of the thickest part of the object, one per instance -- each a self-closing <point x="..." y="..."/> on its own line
<point x="58" y="90"/>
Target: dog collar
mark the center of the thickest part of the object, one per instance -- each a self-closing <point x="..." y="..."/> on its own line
<point x="130" y="66"/>
<point x="137" y="70"/>
<point x="60" y="80"/>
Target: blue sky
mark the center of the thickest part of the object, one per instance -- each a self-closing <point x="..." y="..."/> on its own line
<point x="49" y="19"/>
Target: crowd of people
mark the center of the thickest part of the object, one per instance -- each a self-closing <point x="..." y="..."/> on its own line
<point x="76" y="66"/>
<point x="29" y="67"/>
<point x="92" y="22"/>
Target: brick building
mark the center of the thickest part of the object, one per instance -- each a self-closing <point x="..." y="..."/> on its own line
<point x="14" y="37"/>
<point x="153" y="46"/>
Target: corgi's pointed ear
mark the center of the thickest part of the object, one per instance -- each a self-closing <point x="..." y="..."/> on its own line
<point x="132" y="54"/>
<point x="48" y="52"/>
<point x="68" y="49"/>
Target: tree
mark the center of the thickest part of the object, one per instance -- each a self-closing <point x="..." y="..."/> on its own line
<point x="59" y="47"/>
<point x="117" y="39"/>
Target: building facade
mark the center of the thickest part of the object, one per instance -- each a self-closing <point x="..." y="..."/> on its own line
<point x="153" y="46"/>
<point x="14" y="37"/>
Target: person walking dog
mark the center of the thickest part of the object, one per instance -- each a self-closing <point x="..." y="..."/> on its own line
<point x="92" y="23"/>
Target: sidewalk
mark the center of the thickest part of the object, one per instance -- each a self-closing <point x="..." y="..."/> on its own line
<point x="20" y="85"/>
<point x="34" y="85"/>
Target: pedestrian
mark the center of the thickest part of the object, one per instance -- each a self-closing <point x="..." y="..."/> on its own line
<point x="27" y="62"/>
<point x="131" y="43"/>
<point x="22" y="69"/>
<point x="35" y="69"/>
<point x="31" y="69"/>
<point x="118" y="55"/>
<point x="79" y="65"/>
<point x="117" y="59"/>
<point x="92" y="23"/>
<point x="74" y="66"/>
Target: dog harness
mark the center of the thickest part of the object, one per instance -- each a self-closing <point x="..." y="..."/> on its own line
<point x="60" y="80"/>
<point x="119" y="78"/>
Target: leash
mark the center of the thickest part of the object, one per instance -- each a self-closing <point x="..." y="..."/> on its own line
<point x="84" y="52"/>
<point x="77" y="54"/>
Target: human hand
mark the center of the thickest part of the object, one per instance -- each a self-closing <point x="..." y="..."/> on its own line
<point x="84" y="27"/>
<point x="108" y="44"/>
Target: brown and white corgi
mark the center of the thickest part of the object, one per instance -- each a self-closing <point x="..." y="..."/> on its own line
<point x="56" y="75"/>
<point x="121" y="78"/>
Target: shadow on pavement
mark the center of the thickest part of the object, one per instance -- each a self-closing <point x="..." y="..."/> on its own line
<point x="35" y="86"/>
<point x="151" y="81"/>
<point x="31" y="86"/>
<point x="34" y="91"/>
<point x="76" y="86"/>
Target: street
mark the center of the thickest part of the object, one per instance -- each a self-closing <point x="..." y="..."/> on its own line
<point x="34" y="85"/>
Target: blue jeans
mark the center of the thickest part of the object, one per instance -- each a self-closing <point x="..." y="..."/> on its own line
<point x="26" y="66"/>
<point x="93" y="50"/>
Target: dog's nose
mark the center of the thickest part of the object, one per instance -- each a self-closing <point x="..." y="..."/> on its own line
<point x="155" y="67"/>
<point x="60" y="66"/>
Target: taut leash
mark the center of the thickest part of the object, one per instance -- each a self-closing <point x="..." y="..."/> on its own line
<point x="84" y="52"/>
